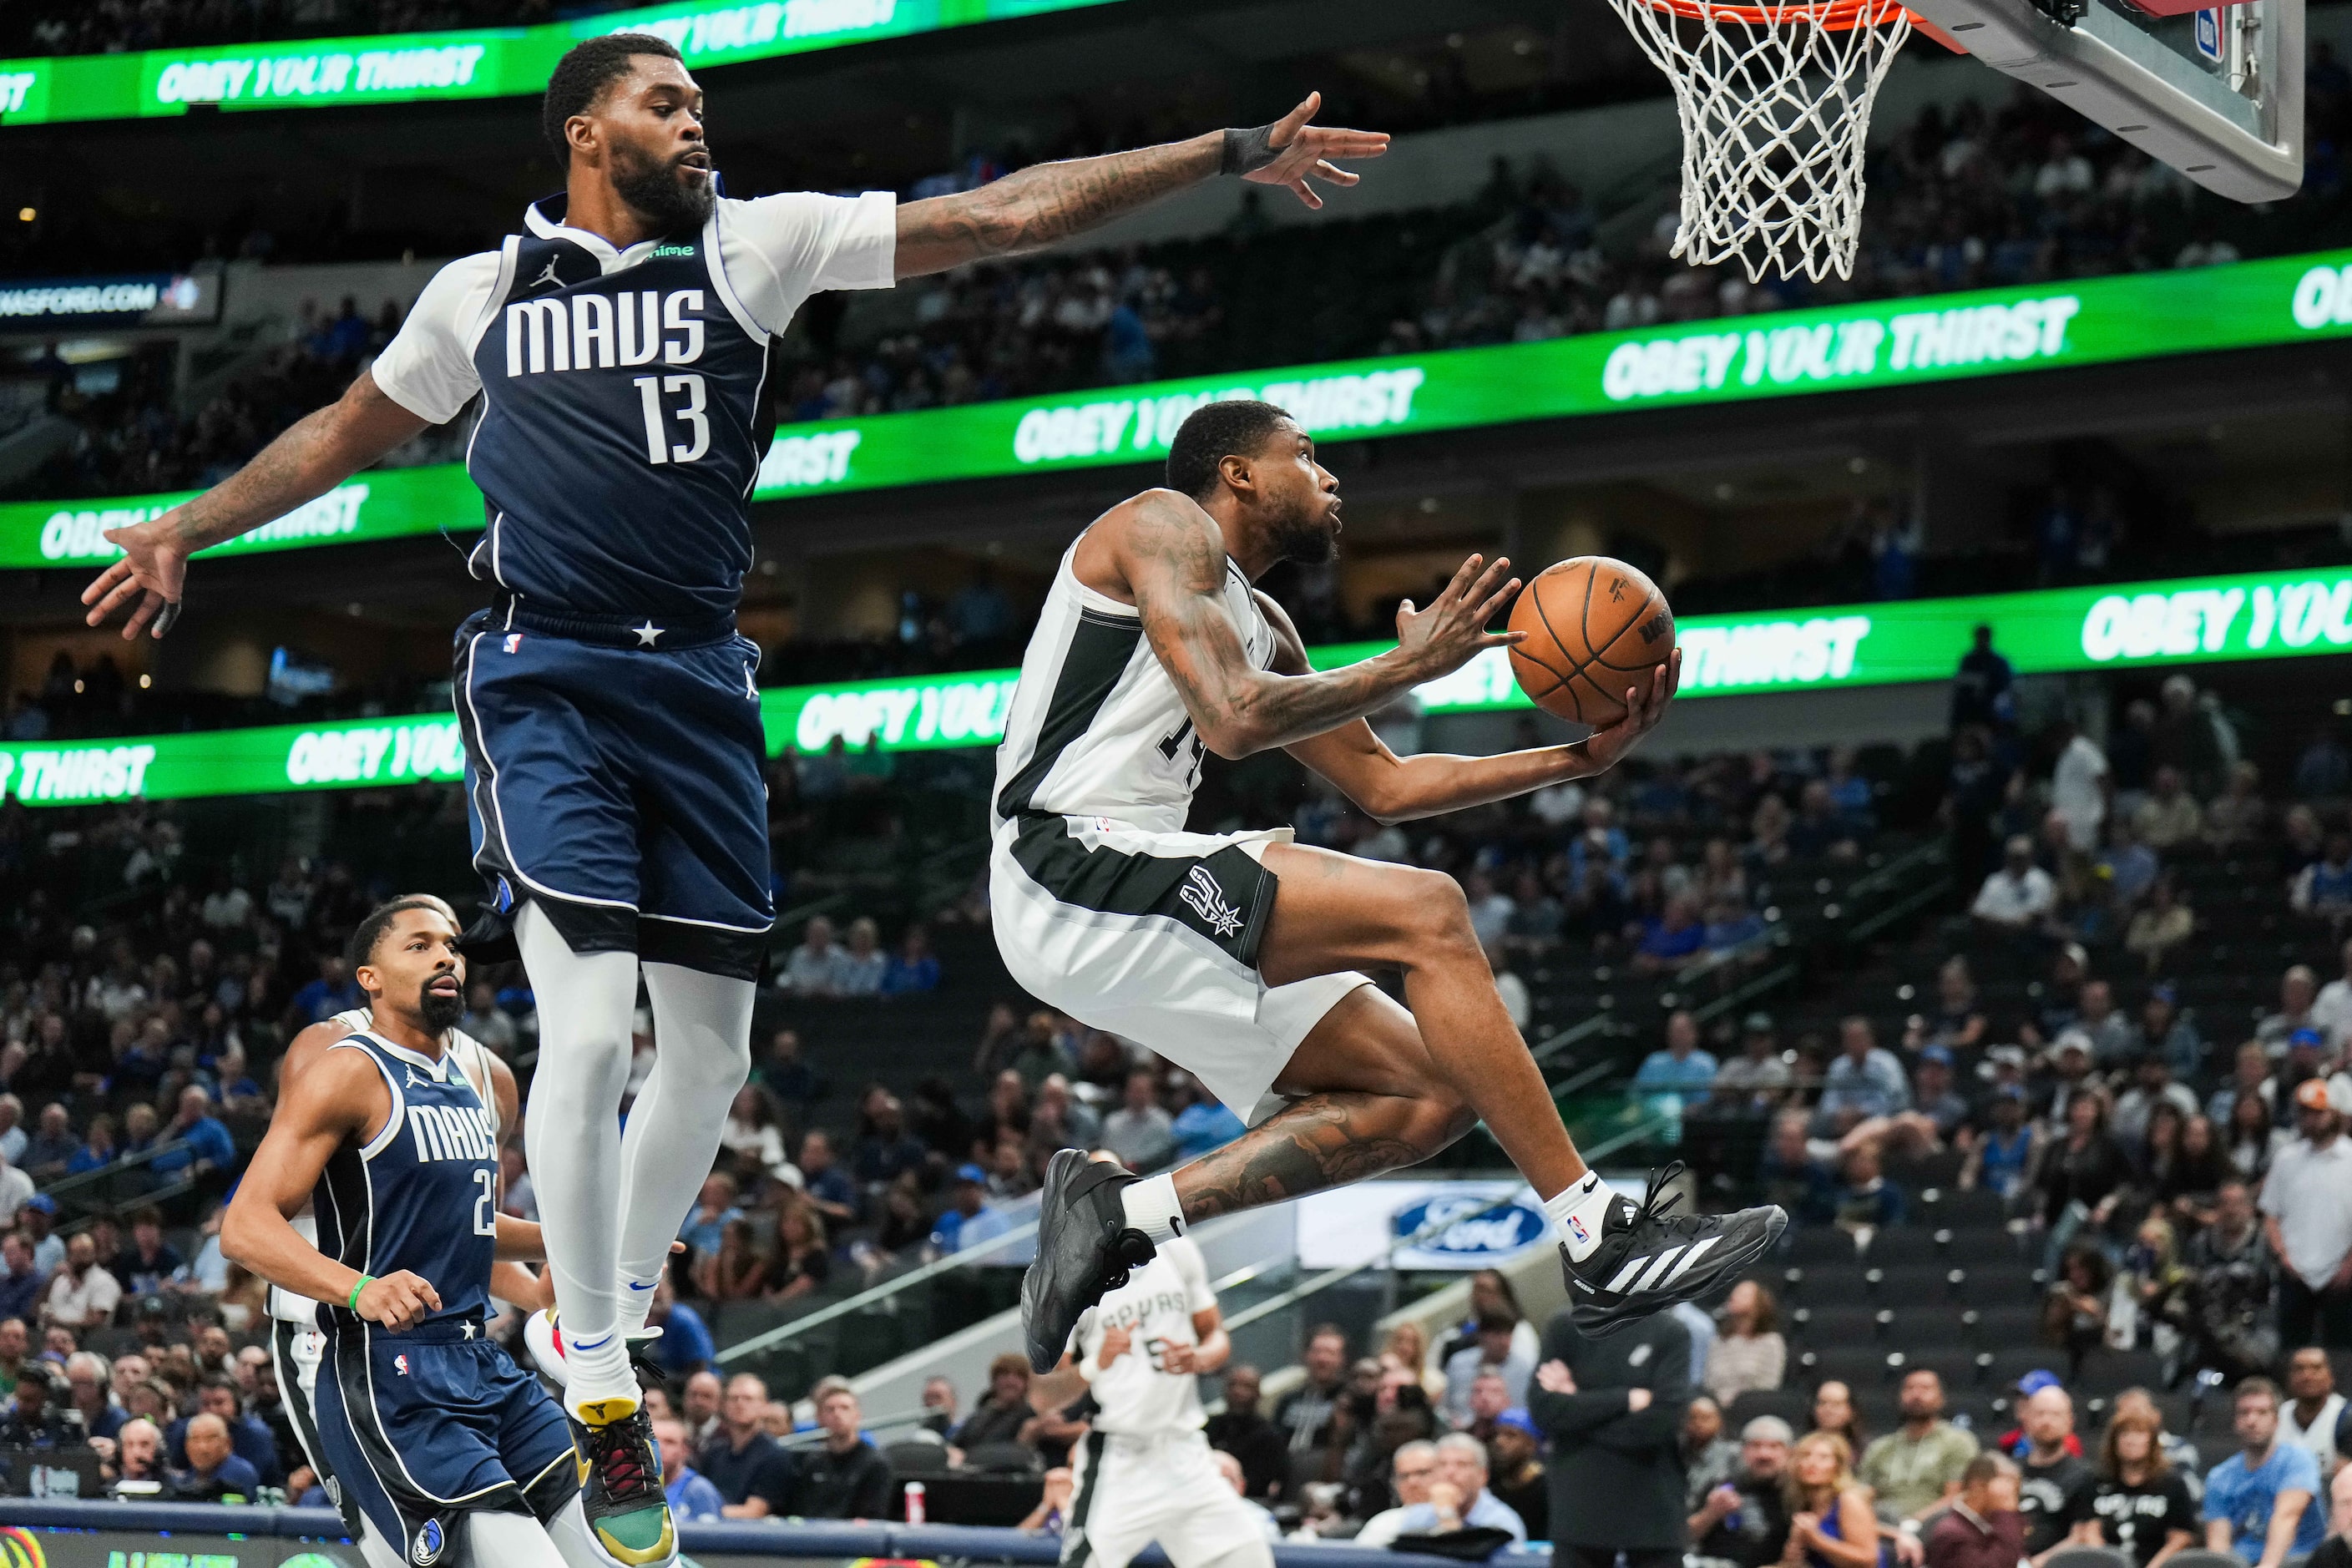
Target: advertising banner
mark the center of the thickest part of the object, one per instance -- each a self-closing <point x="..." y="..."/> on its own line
<point x="136" y="300"/>
<point x="1882" y="344"/>
<point x="493" y="62"/>
<point x="2260" y="616"/>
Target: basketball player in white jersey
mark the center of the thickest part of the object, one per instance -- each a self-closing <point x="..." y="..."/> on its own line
<point x="1238" y="956"/>
<point x="1145" y="1472"/>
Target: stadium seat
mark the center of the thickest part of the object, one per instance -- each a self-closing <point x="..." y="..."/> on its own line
<point x="1860" y="1365"/>
<point x="2109" y="1372"/>
<point x="1981" y="1247"/>
<point x="2199" y="1557"/>
<point x="1814" y="1245"/>
<point x="1955" y="1364"/>
<point x="912" y="1458"/>
<point x="2086" y="1557"/>
<point x="1911" y="1283"/>
<point x="1900" y="1245"/>
<point x="1973" y="1207"/>
<point x="1998" y="1285"/>
<point x="1835" y="1323"/>
<point x="1922" y="1325"/>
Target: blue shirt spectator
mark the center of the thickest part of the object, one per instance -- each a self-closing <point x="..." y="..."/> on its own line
<point x="201" y="1136"/>
<point x="1679" y="1066"/>
<point x="333" y="992"/>
<point x="686" y="1345"/>
<point x="20" y="1280"/>
<point x="1488" y="1512"/>
<point x="1204" y="1125"/>
<point x="1864" y="1078"/>
<point x="2242" y="1495"/>
<point x="969" y="1220"/>
<point x="692" y="1497"/>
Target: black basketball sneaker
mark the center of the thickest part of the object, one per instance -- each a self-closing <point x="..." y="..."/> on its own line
<point x="1647" y="1261"/>
<point x="1084" y="1249"/>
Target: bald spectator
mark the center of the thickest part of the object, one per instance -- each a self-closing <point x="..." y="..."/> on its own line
<point x="1139" y="1133"/>
<point x="2298" y="994"/>
<point x="204" y="1142"/>
<point x="138" y="1459"/>
<point x="214" y="1473"/>
<point x="2054" y="1485"/>
<point x="699" y="1408"/>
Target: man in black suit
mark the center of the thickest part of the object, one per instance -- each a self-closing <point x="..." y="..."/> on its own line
<point x="1612" y="1408"/>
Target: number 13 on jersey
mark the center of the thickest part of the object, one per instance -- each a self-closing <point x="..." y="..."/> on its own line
<point x="658" y="446"/>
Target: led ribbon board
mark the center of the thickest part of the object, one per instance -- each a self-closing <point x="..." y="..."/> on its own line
<point x="498" y="62"/>
<point x="2265" y="615"/>
<point x="1892" y="343"/>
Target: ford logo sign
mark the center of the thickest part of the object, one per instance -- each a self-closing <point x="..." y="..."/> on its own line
<point x="1467" y="1227"/>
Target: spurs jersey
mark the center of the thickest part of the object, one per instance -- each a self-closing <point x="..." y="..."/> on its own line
<point x="1139" y="1398"/>
<point x="473" y="1058"/>
<point x="1096" y="727"/>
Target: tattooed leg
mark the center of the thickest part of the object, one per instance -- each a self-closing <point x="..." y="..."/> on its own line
<point x="1324" y="1141"/>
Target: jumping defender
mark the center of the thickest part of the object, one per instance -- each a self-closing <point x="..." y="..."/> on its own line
<point x="424" y="1426"/>
<point x="620" y="345"/>
<point x="1237" y="957"/>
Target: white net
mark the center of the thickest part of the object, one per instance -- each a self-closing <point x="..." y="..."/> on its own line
<point x="1775" y="104"/>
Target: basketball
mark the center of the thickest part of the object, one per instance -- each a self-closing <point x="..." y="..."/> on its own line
<point x="1595" y="626"/>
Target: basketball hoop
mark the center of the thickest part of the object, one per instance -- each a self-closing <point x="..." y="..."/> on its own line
<point x="1775" y="104"/>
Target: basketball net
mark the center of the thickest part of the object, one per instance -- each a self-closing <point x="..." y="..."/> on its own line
<point x="1775" y="105"/>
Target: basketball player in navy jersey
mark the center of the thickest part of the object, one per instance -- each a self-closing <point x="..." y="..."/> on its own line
<point x="619" y="345"/>
<point x="428" y="1429"/>
<point x="297" y="1339"/>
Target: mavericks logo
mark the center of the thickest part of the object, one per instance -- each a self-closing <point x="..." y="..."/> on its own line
<point x="1202" y="894"/>
<point x="427" y="1546"/>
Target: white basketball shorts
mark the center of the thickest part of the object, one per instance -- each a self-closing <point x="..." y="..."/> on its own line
<point x="1132" y="1492"/>
<point x="1154" y="937"/>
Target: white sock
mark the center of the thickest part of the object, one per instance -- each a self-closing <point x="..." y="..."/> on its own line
<point x="1578" y="1212"/>
<point x="513" y="1541"/>
<point x="573" y="1136"/>
<point x="1151" y="1207"/>
<point x="702" y="1035"/>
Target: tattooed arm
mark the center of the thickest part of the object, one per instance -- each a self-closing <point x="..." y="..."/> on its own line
<point x="1172" y="558"/>
<point x="1389" y="788"/>
<point x="312" y="457"/>
<point x="1049" y="202"/>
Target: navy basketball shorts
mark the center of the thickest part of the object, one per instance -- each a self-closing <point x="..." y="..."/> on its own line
<point x="621" y="788"/>
<point x="421" y="1428"/>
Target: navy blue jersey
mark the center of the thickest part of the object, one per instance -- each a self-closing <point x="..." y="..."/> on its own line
<point x="624" y="417"/>
<point x="422" y="1194"/>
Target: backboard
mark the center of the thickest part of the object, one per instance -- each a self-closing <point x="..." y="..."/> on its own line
<point x="2217" y="94"/>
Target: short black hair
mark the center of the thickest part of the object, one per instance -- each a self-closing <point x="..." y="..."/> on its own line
<point x="586" y="70"/>
<point x="1238" y="427"/>
<point x="370" y="930"/>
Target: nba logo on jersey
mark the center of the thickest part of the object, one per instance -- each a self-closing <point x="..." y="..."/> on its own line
<point x="429" y="1543"/>
<point x="513" y="641"/>
<point x="400" y="1365"/>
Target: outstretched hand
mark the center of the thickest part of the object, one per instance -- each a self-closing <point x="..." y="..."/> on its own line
<point x="1643" y="709"/>
<point x="1453" y="630"/>
<point x="1301" y="150"/>
<point x="149" y="579"/>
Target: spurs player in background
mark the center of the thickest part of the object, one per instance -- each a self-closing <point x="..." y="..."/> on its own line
<point x="1145" y="1472"/>
<point x="297" y="1341"/>
<point x="1238" y="956"/>
<point x="620" y="345"/>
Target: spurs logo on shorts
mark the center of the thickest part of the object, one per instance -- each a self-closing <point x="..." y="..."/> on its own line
<point x="1207" y="900"/>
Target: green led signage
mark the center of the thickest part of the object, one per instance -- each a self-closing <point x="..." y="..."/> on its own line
<point x="2097" y="321"/>
<point x="407" y="67"/>
<point x="2266" y="615"/>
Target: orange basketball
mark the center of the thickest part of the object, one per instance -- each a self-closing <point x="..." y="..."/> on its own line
<point x="1595" y="626"/>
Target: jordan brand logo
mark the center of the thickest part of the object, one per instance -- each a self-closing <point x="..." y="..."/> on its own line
<point x="1207" y="900"/>
<point x="548" y="280"/>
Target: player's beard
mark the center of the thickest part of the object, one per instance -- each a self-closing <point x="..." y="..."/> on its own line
<point x="436" y="1012"/>
<point x="1306" y="537"/>
<point x="659" y="191"/>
